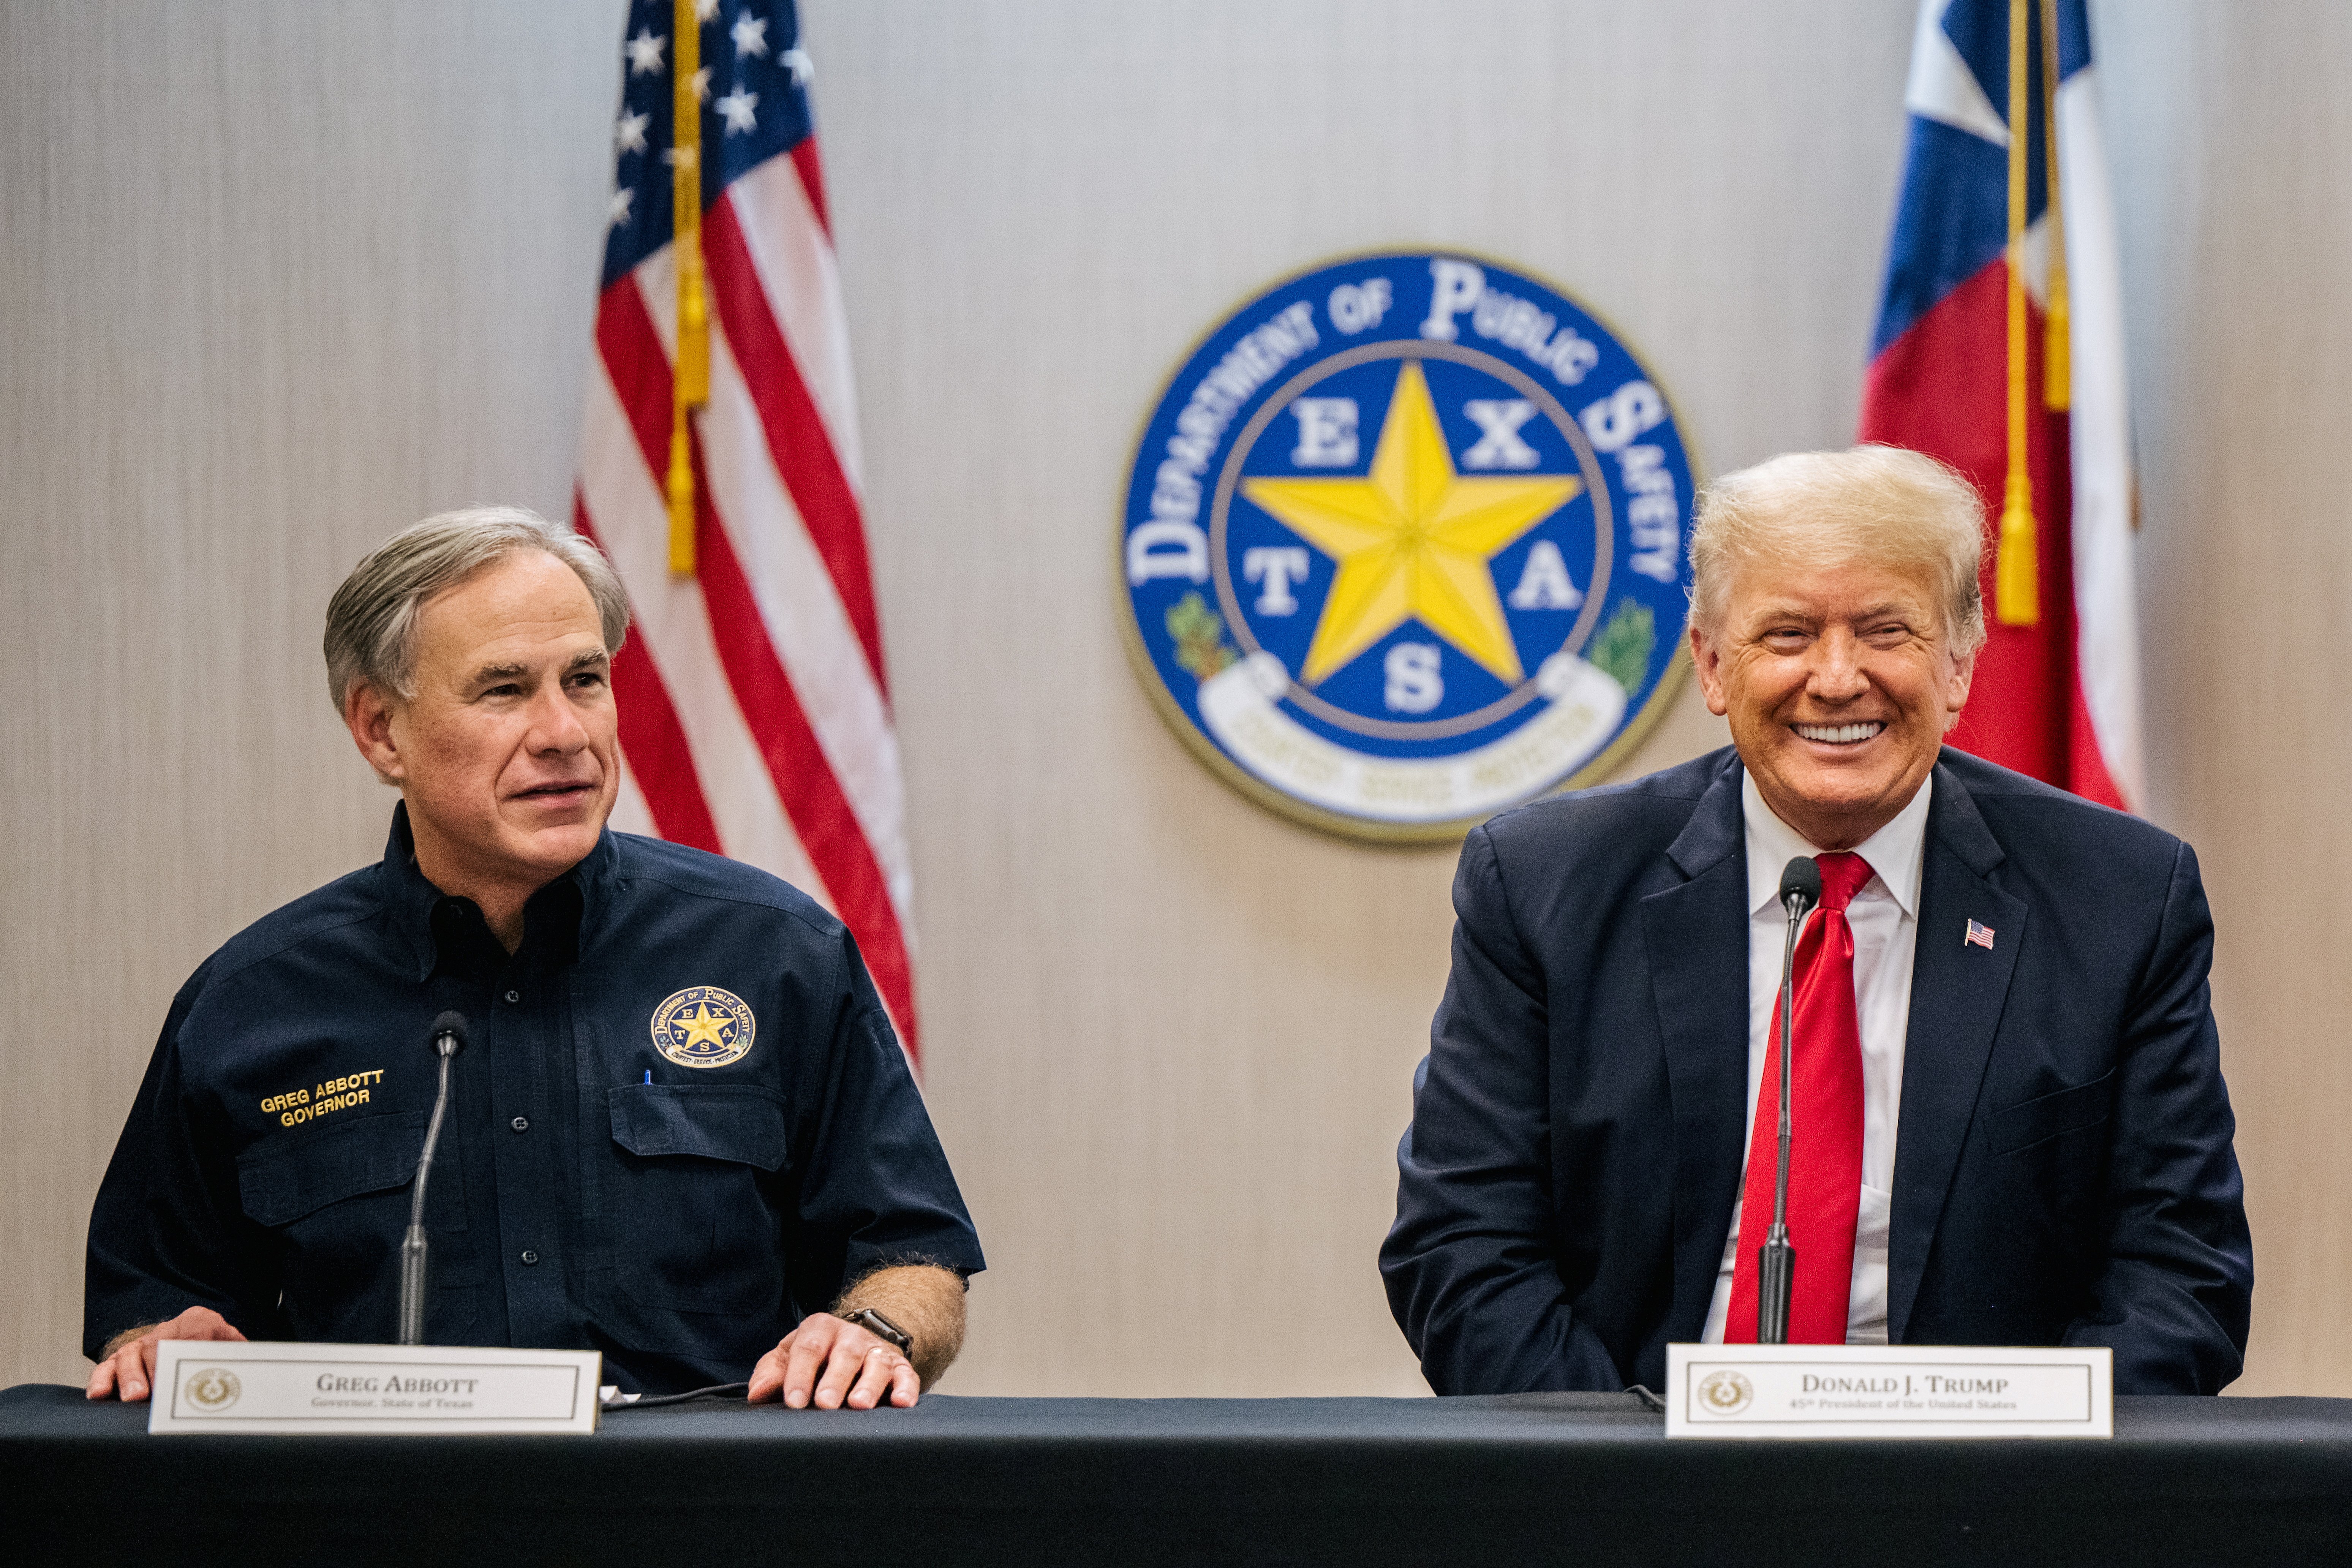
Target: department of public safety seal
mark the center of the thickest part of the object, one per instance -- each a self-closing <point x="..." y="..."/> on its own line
<point x="1725" y="1393"/>
<point x="703" y="1026"/>
<point x="212" y="1388"/>
<point x="1403" y="545"/>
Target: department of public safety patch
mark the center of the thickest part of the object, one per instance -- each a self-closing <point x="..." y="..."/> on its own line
<point x="703" y="1026"/>
<point x="1405" y="545"/>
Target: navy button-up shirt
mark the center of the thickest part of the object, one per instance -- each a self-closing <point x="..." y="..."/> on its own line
<point x="682" y="1123"/>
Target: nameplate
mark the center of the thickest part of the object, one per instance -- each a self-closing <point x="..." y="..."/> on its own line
<point x="204" y="1385"/>
<point x="1889" y="1391"/>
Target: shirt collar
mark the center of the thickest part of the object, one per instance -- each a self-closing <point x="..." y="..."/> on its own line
<point x="1895" y="852"/>
<point x="571" y="901"/>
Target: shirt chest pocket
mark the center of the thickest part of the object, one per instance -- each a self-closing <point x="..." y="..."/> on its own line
<point x="692" y="1217"/>
<point x="281" y="1182"/>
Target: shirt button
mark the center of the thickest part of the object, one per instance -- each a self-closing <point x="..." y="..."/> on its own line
<point x="520" y="1124"/>
<point x="531" y="1258"/>
<point x="514" y="996"/>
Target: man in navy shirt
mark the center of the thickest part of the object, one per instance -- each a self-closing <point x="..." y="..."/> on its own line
<point x="681" y="1132"/>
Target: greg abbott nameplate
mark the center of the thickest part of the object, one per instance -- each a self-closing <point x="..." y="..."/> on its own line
<point x="1889" y="1391"/>
<point x="204" y="1385"/>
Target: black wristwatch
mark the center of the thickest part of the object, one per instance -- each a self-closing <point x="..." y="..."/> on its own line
<point x="882" y="1328"/>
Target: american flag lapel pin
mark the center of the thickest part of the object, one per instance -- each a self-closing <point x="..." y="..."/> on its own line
<point x="1978" y="936"/>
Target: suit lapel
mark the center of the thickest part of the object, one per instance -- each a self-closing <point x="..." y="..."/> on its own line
<point x="1957" y="990"/>
<point x="1696" y="938"/>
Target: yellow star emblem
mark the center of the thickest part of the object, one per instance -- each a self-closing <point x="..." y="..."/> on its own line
<point x="1412" y="539"/>
<point x="702" y="1029"/>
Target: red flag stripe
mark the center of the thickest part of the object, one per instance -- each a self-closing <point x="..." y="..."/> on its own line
<point x="652" y="737"/>
<point x="673" y="620"/>
<point x="796" y="434"/>
<point x="820" y="813"/>
<point x="812" y="173"/>
<point x="805" y="622"/>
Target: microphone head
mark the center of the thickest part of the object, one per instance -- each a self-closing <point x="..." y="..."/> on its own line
<point x="1801" y="881"/>
<point x="452" y="1024"/>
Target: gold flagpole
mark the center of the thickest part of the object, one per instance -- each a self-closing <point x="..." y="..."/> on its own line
<point x="2017" y="586"/>
<point x="2057" y="355"/>
<point x="691" y="380"/>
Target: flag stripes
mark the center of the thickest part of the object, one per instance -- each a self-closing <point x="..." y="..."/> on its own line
<point x="754" y="706"/>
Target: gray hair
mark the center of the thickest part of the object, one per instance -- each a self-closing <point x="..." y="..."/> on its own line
<point x="1885" y="505"/>
<point x="371" y="620"/>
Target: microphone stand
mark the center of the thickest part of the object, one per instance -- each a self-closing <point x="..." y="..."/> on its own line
<point x="448" y="1035"/>
<point x="1776" y="1260"/>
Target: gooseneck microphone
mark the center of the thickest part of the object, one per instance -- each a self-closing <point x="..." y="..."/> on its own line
<point x="1776" y="1260"/>
<point x="448" y="1039"/>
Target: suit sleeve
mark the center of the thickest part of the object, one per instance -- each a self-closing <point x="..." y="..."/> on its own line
<point x="168" y="1231"/>
<point x="2173" y="1296"/>
<point x="1470" y="1263"/>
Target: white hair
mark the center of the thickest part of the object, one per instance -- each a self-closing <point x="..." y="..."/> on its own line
<point x="1885" y="505"/>
<point x="371" y="620"/>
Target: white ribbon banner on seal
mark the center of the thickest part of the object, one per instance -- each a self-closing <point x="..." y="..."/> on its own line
<point x="206" y="1385"/>
<point x="1239" y="706"/>
<point x="1889" y="1391"/>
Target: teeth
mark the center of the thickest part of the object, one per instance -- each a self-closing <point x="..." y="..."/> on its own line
<point x="1839" y="734"/>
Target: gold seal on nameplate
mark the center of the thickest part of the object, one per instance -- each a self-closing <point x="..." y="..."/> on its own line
<point x="1725" y="1392"/>
<point x="703" y="1026"/>
<point x="212" y="1388"/>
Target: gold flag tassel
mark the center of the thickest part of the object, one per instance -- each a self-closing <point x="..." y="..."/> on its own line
<point x="2057" y="359"/>
<point x="690" y="382"/>
<point x="2017" y="586"/>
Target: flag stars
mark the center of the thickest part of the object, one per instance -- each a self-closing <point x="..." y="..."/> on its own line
<point x="617" y="216"/>
<point x="750" y="35"/>
<point x="797" y="61"/>
<point x="705" y="9"/>
<point x="629" y="135"/>
<point x="645" y="52"/>
<point x="737" y="107"/>
<point x="702" y="85"/>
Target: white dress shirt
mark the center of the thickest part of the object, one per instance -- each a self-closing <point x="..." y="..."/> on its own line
<point x="1885" y="917"/>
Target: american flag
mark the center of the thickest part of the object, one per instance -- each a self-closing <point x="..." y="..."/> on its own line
<point x="754" y="707"/>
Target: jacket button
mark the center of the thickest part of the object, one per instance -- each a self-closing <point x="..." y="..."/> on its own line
<point x="520" y="1124"/>
<point x="514" y="996"/>
<point x="531" y="1258"/>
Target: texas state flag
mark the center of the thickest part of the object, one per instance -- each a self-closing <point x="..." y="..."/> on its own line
<point x="2000" y="350"/>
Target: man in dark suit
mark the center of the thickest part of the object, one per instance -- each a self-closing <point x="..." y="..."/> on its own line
<point x="2012" y="1126"/>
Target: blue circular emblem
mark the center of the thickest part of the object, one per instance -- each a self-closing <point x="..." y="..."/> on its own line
<point x="1405" y="545"/>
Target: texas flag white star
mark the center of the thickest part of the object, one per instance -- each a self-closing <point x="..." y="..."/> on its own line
<point x="646" y="52"/>
<point x="737" y="107"/>
<point x="750" y="35"/>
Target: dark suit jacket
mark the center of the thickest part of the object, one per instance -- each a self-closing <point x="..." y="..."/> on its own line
<point x="2063" y="1172"/>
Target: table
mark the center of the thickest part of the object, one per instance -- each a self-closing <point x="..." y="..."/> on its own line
<point x="1525" y="1479"/>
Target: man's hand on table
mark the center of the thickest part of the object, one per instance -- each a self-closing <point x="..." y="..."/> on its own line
<point x="829" y="1363"/>
<point x="834" y="1364"/>
<point x="127" y="1370"/>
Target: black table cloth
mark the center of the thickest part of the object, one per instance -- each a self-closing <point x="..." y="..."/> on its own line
<point x="1570" y="1479"/>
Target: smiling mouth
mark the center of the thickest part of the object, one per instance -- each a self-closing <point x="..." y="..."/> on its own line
<point x="1841" y="734"/>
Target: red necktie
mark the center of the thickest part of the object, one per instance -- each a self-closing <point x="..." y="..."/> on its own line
<point x="1824" y="1129"/>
